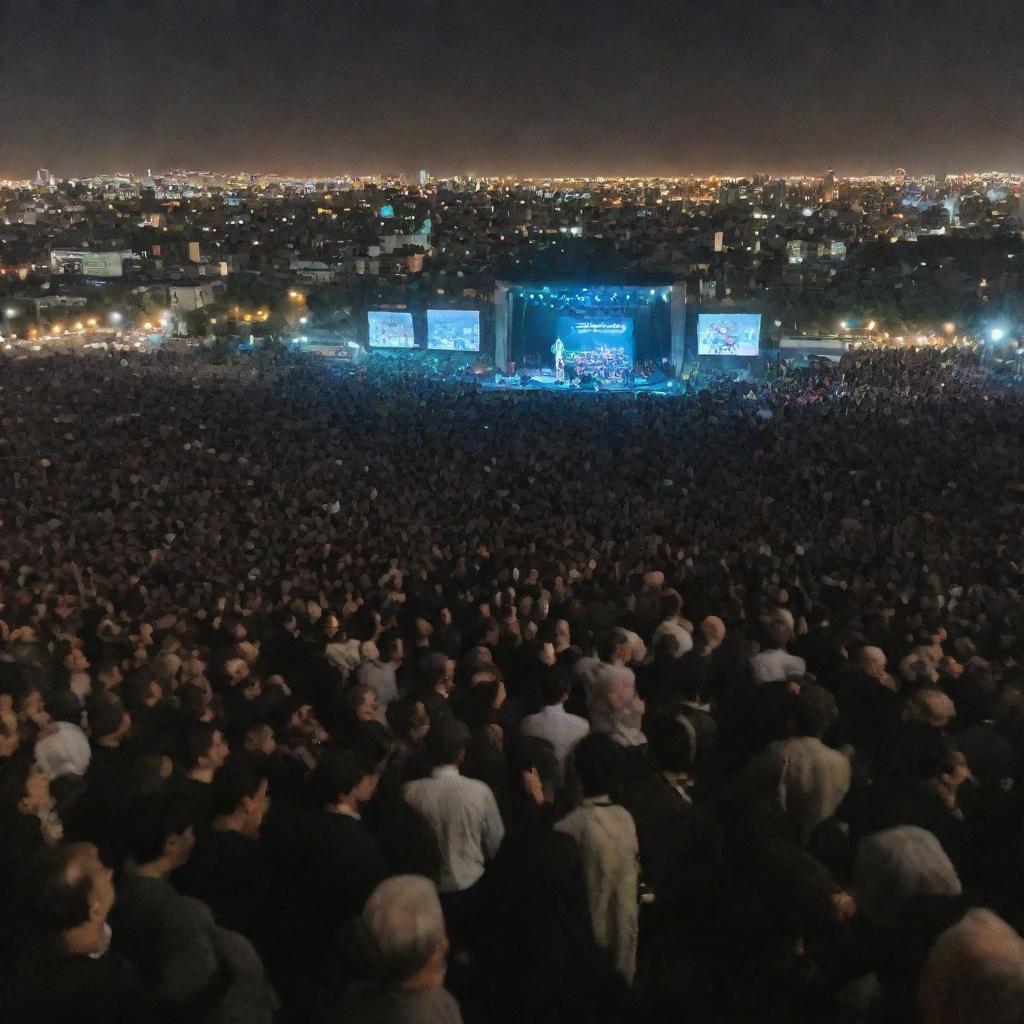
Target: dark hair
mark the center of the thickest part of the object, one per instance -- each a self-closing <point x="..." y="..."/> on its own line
<point x="237" y="779"/>
<point x="666" y="646"/>
<point x="814" y="711"/>
<point x="151" y="820"/>
<point x="593" y="760"/>
<point x="14" y="779"/>
<point x="925" y="753"/>
<point x="135" y="688"/>
<point x="402" y="716"/>
<point x="64" y="706"/>
<point x="105" y="718"/>
<point x="431" y="668"/>
<point x="447" y="740"/>
<point x="554" y="686"/>
<point x="57" y="903"/>
<point x="672" y="744"/>
<point x="388" y="643"/>
<point x="670" y="604"/>
<point x="475" y="706"/>
<point x="195" y="740"/>
<point x="337" y="774"/>
<point x="370" y="742"/>
<point x="192" y="701"/>
<point x="778" y="634"/>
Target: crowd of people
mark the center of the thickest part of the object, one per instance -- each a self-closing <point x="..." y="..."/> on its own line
<point x="363" y="695"/>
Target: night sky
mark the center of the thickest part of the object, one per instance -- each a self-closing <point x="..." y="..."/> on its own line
<point x="515" y="86"/>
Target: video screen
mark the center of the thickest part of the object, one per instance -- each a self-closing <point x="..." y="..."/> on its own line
<point x="728" y="334"/>
<point x="598" y="345"/>
<point x="390" y="330"/>
<point x="453" y="330"/>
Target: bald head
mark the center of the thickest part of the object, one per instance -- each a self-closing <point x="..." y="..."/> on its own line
<point x="713" y="631"/>
<point x="871" y="661"/>
<point x="930" y="707"/>
<point x="974" y="974"/>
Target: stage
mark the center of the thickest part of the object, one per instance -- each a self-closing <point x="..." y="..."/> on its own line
<point x="544" y="380"/>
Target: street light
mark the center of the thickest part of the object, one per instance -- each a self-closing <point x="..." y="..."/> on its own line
<point x="997" y="334"/>
<point x="115" y="318"/>
<point x="303" y="319"/>
<point x="10" y="311"/>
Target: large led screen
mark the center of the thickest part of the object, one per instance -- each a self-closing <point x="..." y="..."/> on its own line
<point x="390" y="330"/>
<point x="598" y="345"/>
<point x="453" y="330"/>
<point x="728" y="334"/>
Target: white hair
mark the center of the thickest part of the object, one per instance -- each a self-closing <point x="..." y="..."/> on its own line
<point x="404" y="922"/>
<point x="65" y="751"/>
<point x="895" y="866"/>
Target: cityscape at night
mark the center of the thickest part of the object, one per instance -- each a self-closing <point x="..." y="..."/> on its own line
<point x="511" y="513"/>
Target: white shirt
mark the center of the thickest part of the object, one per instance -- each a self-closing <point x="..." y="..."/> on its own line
<point x="774" y="666"/>
<point x="379" y="676"/>
<point x="562" y="730"/>
<point x="464" y="816"/>
<point x="607" y="837"/>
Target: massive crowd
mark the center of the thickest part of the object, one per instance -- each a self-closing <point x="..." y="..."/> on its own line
<point x="367" y="696"/>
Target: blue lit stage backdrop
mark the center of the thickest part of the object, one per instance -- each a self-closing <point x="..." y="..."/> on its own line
<point x="390" y="330"/>
<point x="453" y="330"/>
<point x="729" y="334"/>
<point x="598" y="345"/>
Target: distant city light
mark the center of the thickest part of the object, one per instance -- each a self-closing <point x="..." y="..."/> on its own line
<point x="10" y="311"/>
<point x="872" y="325"/>
<point x="949" y="328"/>
<point x="115" y="318"/>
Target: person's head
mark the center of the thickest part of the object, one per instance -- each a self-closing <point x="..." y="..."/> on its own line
<point x="64" y="750"/>
<point x="361" y="703"/>
<point x="777" y="635"/>
<point x="814" y="711"/>
<point x="405" y="932"/>
<point x="408" y="720"/>
<point x="555" y="687"/>
<point x="71" y="894"/>
<point x="259" y="739"/>
<point x="670" y="604"/>
<point x="930" y="707"/>
<point x="342" y="779"/>
<point x="872" y="661"/>
<point x="447" y="741"/>
<point x="391" y="647"/>
<point x="109" y="723"/>
<point x="201" y="748"/>
<point x="593" y="758"/>
<point x="24" y="786"/>
<point x="666" y="648"/>
<point x="433" y="672"/>
<point x="713" y="630"/>
<point x="159" y="831"/>
<point x="239" y="796"/>
<point x="673" y="745"/>
<point x="236" y="670"/>
<point x="563" y="635"/>
<point x="330" y="625"/>
<point x="896" y="866"/>
<point x="974" y="973"/>
<point x="141" y="689"/>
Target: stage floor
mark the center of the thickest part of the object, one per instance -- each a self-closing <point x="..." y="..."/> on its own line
<point x="658" y="385"/>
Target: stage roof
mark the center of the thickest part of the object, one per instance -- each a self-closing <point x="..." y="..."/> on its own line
<point x="610" y="280"/>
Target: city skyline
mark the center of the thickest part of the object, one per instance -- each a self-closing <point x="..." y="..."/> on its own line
<point x="602" y="89"/>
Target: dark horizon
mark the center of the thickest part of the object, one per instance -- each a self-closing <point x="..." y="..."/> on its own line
<point x="535" y="88"/>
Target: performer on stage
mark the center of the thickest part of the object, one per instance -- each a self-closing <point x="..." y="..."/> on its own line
<point x="559" y="350"/>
